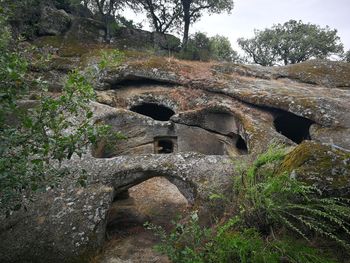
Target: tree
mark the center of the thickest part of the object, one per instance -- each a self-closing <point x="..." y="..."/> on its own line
<point x="260" y="48"/>
<point x="221" y="49"/>
<point x="198" y="47"/>
<point x="192" y="10"/>
<point x="201" y="47"/>
<point x="176" y="14"/>
<point x="291" y="43"/>
<point x="347" y="56"/>
<point x="164" y="14"/>
<point x="107" y="9"/>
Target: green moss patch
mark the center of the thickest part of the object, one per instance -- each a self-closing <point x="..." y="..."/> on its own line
<point x="327" y="73"/>
<point x="323" y="165"/>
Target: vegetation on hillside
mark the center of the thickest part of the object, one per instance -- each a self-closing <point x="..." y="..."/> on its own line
<point x="204" y="48"/>
<point x="271" y="218"/>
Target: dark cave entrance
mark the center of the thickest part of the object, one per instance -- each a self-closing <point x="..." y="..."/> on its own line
<point x="154" y="110"/>
<point x="164" y="145"/>
<point x="241" y="145"/>
<point x="292" y="126"/>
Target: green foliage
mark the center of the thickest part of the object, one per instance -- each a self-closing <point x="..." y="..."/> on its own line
<point x="260" y="48"/>
<point x="167" y="15"/>
<point x="186" y="242"/>
<point x="201" y="47"/>
<point x="129" y="23"/>
<point x="221" y="49"/>
<point x="198" y="48"/>
<point x="275" y="218"/>
<point x="36" y="136"/>
<point x="291" y="43"/>
<point x="269" y="200"/>
<point x="189" y="242"/>
<point x="23" y="16"/>
<point x="347" y="56"/>
<point x="164" y="15"/>
<point x="192" y="11"/>
<point x="111" y="58"/>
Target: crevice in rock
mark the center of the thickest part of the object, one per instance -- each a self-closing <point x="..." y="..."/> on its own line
<point x="135" y="81"/>
<point x="198" y="126"/>
<point x="240" y="143"/>
<point x="155" y="111"/>
<point x="293" y="127"/>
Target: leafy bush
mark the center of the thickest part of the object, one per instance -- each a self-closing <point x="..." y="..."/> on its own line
<point x="270" y="200"/>
<point x="201" y="47"/>
<point x="198" y="48"/>
<point x="221" y="49"/>
<point x="36" y="136"/>
<point x="111" y="58"/>
<point x="191" y="243"/>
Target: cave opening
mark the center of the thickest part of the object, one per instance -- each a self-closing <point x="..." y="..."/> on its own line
<point x="164" y="145"/>
<point x="155" y="200"/>
<point x="241" y="145"/>
<point x="154" y="110"/>
<point x="293" y="127"/>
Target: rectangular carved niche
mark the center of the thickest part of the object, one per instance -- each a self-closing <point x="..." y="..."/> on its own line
<point x="165" y="144"/>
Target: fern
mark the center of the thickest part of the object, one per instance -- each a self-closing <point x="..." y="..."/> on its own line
<point x="287" y="202"/>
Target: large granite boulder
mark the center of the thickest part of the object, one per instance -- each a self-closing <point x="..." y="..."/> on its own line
<point x="53" y="21"/>
<point x="323" y="165"/>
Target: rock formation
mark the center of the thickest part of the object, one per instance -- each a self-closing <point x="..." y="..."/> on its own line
<point x="185" y="121"/>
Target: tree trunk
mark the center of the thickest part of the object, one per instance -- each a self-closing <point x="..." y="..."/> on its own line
<point x="187" y="20"/>
<point x="108" y="29"/>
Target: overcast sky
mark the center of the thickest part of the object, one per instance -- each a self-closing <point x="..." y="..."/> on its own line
<point x="250" y="14"/>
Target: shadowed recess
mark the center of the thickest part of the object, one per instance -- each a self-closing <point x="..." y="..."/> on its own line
<point x="153" y="110"/>
<point x="241" y="145"/>
<point x="293" y="127"/>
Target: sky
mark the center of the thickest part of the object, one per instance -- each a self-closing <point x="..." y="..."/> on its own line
<point x="248" y="15"/>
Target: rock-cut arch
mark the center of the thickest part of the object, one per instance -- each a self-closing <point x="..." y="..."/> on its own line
<point x="135" y="177"/>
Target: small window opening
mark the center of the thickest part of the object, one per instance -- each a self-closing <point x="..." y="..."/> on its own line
<point x="153" y="110"/>
<point x="164" y="145"/>
<point x="293" y="127"/>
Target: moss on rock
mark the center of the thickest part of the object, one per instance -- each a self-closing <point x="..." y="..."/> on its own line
<point x="321" y="72"/>
<point x="322" y="165"/>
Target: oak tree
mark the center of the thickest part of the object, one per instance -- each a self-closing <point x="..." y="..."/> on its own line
<point x="291" y="42"/>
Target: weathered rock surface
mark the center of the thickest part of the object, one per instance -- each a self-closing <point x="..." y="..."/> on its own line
<point x="53" y="21"/>
<point x="217" y="110"/>
<point x="322" y="165"/>
<point x="69" y="223"/>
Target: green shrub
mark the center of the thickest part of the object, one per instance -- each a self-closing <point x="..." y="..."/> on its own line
<point x="275" y="218"/>
<point x="36" y="137"/>
<point x="204" y="48"/>
<point x="198" y="48"/>
<point x="268" y="200"/>
<point x="192" y="243"/>
<point x="111" y="58"/>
